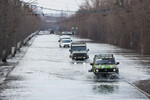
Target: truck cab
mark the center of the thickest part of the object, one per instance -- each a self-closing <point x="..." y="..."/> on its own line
<point x="78" y="50"/>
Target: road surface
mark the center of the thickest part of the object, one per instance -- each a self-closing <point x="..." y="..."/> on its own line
<point x="47" y="73"/>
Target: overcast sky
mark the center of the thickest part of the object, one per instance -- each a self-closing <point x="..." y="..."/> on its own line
<point x="59" y="4"/>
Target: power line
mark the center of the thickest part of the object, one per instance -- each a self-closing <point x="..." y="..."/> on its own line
<point x="85" y="11"/>
<point x="29" y="2"/>
<point x="56" y="9"/>
<point x="70" y="11"/>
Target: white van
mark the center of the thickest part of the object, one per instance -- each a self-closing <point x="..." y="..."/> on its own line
<point x="64" y="37"/>
<point x="65" y="43"/>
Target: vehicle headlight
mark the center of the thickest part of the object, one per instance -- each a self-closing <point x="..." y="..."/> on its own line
<point x="97" y="70"/>
<point x="114" y="70"/>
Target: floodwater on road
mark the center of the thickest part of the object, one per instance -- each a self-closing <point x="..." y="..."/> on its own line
<point x="47" y="73"/>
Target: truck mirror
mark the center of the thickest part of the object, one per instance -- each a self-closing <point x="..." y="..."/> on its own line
<point x="117" y="63"/>
<point x="87" y="49"/>
<point x="91" y="64"/>
<point x="58" y="40"/>
<point x="70" y="50"/>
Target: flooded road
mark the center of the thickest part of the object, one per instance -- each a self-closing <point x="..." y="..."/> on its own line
<point x="47" y="73"/>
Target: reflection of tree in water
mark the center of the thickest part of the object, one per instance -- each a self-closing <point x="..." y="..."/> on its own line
<point x="105" y="89"/>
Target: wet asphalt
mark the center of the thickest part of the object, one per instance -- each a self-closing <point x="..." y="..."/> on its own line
<point x="47" y="73"/>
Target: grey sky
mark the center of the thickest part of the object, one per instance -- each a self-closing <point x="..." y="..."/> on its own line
<point x="59" y="4"/>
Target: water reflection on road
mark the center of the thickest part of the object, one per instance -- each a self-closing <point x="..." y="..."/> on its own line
<point x="46" y="72"/>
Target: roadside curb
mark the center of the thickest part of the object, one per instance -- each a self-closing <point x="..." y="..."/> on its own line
<point x="29" y="44"/>
<point x="6" y="69"/>
<point x="145" y="93"/>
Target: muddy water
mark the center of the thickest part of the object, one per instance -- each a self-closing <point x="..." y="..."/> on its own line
<point x="47" y="73"/>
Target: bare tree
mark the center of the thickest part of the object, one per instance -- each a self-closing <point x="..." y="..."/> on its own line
<point x="17" y="21"/>
<point x="119" y="22"/>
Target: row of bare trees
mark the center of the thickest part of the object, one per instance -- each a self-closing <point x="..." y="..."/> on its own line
<point x="17" y="22"/>
<point x="125" y="23"/>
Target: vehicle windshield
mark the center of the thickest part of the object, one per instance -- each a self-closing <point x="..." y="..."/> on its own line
<point x="78" y="48"/>
<point x="104" y="61"/>
<point x="64" y="38"/>
<point x="66" y="41"/>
